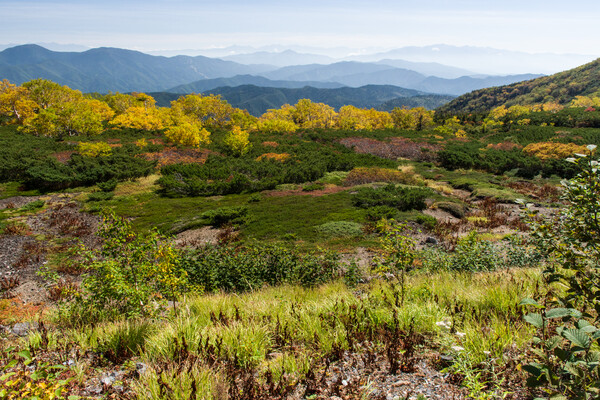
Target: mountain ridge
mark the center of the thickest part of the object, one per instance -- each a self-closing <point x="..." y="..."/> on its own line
<point x="561" y="87"/>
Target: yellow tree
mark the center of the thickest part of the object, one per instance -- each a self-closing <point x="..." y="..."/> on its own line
<point x="353" y="118"/>
<point x="119" y="102"/>
<point x="184" y="130"/>
<point x="139" y="118"/>
<point x="309" y="115"/>
<point x="15" y="105"/>
<point x="212" y="111"/>
<point x="403" y="118"/>
<point x="379" y="119"/>
<point x="237" y="141"/>
<point x="62" y="111"/>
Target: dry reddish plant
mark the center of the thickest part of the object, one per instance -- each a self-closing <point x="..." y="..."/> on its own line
<point x="504" y="146"/>
<point x="394" y="149"/>
<point x="270" y="144"/>
<point x="274" y="156"/>
<point x="173" y="155"/>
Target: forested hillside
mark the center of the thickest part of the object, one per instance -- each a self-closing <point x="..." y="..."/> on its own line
<point x="559" y="88"/>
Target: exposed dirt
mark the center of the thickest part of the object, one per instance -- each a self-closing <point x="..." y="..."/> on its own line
<point x="198" y="237"/>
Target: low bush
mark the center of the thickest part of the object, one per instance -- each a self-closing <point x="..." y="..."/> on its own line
<point x="380" y="212"/>
<point x="108" y="186"/>
<point x="34" y="205"/>
<point x="251" y="267"/>
<point x="225" y="215"/>
<point x="401" y="198"/>
<point x="455" y="209"/>
<point x="340" y="229"/>
<point x="426" y="221"/>
<point x="100" y="196"/>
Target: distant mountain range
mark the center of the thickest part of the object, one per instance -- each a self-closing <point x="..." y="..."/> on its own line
<point x="239" y="80"/>
<point x="109" y="69"/>
<point x="257" y="100"/>
<point x="356" y="74"/>
<point x="561" y="87"/>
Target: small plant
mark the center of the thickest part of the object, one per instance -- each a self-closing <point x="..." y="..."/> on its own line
<point x="34" y="205"/>
<point x="23" y="376"/>
<point x="108" y="186"/>
<point x="100" y="196"/>
<point x="226" y="215"/>
<point x="313" y="186"/>
<point x="398" y="254"/>
<point x="567" y="322"/>
<point x="340" y="229"/>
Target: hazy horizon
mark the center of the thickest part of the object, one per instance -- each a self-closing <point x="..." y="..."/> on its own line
<point x="534" y="27"/>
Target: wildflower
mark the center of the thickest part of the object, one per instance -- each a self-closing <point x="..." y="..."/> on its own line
<point x="458" y="348"/>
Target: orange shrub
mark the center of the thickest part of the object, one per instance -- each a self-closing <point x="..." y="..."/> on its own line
<point x="274" y="156"/>
<point x="552" y="150"/>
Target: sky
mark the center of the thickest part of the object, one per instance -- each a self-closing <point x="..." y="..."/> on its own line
<point x="526" y="25"/>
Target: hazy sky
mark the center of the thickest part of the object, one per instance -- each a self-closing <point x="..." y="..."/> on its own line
<point x="527" y="25"/>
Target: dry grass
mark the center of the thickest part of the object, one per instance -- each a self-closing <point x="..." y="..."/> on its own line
<point x="141" y="185"/>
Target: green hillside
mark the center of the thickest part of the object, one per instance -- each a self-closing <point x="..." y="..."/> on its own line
<point x="561" y="87"/>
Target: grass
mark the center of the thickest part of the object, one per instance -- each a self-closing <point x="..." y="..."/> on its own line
<point x="289" y="330"/>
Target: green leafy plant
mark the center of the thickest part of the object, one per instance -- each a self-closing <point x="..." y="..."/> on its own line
<point x="129" y="275"/>
<point x="567" y="342"/>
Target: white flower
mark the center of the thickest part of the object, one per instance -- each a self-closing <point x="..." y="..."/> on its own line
<point x="461" y="334"/>
<point x="487" y="353"/>
<point x="444" y="324"/>
<point x="458" y="348"/>
<point x="591" y="147"/>
<point x="570" y="159"/>
<point x="580" y="155"/>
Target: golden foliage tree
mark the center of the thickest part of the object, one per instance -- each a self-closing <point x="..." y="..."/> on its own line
<point x="15" y="105"/>
<point x="212" y="111"/>
<point x="237" y="141"/>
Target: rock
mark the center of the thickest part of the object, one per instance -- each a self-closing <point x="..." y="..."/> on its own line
<point x="141" y="368"/>
<point x="108" y="380"/>
<point x="23" y="328"/>
<point x="95" y="389"/>
<point x="431" y="240"/>
<point x="400" y="383"/>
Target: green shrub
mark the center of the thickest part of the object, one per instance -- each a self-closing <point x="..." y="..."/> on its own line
<point x="567" y="320"/>
<point x="401" y="198"/>
<point x="379" y="212"/>
<point x="250" y="267"/>
<point x="313" y="186"/>
<point x="427" y="221"/>
<point x="225" y="215"/>
<point x="129" y="276"/>
<point x="100" y="196"/>
<point x="108" y="186"/>
<point x="34" y="205"/>
<point x="455" y="209"/>
<point x="340" y="229"/>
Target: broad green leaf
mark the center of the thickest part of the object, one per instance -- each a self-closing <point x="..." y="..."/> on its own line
<point x="535" y="320"/>
<point x="553" y="342"/>
<point x="532" y="369"/>
<point x="562" y="312"/>
<point x="530" y="302"/>
<point x="577" y="337"/>
<point x="25" y="354"/>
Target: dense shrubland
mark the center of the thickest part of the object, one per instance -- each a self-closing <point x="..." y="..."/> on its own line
<point x="249" y="320"/>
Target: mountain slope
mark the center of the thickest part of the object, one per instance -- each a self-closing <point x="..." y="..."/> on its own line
<point x="239" y="80"/>
<point x="110" y="69"/>
<point x="257" y="100"/>
<point x="561" y="87"/>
